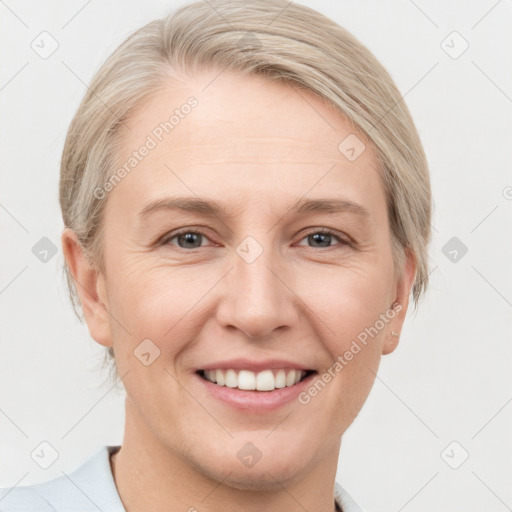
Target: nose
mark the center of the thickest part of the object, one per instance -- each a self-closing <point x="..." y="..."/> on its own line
<point x="258" y="297"/>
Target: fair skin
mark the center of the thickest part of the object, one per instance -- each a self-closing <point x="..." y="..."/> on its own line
<point x="257" y="148"/>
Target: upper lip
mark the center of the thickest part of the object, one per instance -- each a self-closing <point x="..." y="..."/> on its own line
<point x="252" y="365"/>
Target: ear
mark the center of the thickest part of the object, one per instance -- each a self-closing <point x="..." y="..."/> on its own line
<point x="90" y="284"/>
<point x="401" y="303"/>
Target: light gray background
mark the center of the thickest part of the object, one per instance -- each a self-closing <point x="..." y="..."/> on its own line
<point x="449" y="379"/>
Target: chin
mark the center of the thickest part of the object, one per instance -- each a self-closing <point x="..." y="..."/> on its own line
<point x="267" y="474"/>
<point x="272" y="477"/>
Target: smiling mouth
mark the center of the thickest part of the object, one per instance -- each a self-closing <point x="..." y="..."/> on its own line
<point x="266" y="380"/>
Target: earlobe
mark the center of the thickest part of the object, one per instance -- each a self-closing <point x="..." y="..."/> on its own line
<point x="390" y="343"/>
<point x="401" y="303"/>
<point x="90" y="286"/>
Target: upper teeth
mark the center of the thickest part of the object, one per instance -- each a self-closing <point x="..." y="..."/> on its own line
<point x="267" y="380"/>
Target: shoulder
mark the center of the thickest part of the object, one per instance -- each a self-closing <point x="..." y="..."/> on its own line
<point x="31" y="497"/>
<point x="90" y="487"/>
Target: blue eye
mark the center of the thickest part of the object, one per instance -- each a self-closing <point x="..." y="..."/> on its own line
<point x="188" y="238"/>
<point x="324" y="236"/>
<point x="192" y="239"/>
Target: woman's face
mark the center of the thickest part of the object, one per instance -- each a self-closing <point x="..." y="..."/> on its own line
<point x="255" y="287"/>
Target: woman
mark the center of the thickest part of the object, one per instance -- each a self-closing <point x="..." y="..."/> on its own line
<point x="247" y="211"/>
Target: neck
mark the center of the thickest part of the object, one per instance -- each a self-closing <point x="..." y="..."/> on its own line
<point x="147" y="472"/>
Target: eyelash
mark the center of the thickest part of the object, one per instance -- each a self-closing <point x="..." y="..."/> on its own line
<point x="322" y="231"/>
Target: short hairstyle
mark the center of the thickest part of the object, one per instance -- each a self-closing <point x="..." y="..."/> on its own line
<point x="278" y="40"/>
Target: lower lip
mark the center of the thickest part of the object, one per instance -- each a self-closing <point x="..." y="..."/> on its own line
<point x="256" y="400"/>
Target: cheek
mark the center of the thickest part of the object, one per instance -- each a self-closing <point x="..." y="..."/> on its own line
<point x="353" y="311"/>
<point x="145" y="290"/>
<point x="157" y="303"/>
<point x="354" y="300"/>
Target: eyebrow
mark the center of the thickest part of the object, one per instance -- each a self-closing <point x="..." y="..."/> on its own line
<point x="213" y="208"/>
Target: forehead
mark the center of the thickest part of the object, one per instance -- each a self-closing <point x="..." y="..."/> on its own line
<point x="243" y="134"/>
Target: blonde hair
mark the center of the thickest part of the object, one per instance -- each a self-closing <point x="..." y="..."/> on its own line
<point x="278" y="39"/>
